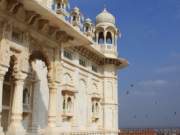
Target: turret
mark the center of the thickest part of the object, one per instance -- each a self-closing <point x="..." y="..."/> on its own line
<point x="88" y="28"/>
<point x="61" y="7"/>
<point x="75" y="18"/>
<point x="106" y="33"/>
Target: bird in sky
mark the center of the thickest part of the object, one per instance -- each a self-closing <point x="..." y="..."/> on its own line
<point x="127" y="92"/>
<point x="156" y="102"/>
<point x="146" y="116"/>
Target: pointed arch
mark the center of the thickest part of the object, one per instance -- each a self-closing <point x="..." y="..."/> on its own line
<point x="109" y="38"/>
<point x="101" y="38"/>
<point x="37" y="54"/>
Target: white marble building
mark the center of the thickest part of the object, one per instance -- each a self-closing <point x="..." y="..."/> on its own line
<point x="58" y="72"/>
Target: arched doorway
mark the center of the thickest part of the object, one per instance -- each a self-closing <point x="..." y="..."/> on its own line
<point x="109" y="38"/>
<point x="8" y="90"/>
<point x="39" y="65"/>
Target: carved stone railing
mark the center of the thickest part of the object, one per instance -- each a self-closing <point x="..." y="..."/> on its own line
<point x="90" y="133"/>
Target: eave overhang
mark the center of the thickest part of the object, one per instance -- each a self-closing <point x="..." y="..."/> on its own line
<point x="77" y="35"/>
<point x="57" y="21"/>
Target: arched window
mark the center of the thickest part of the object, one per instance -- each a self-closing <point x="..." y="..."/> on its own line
<point x="86" y="29"/>
<point x="63" y="6"/>
<point x="74" y="18"/>
<point x="58" y="5"/>
<point x="64" y="104"/>
<point x="101" y="38"/>
<point x="109" y="38"/>
<point x="97" y="108"/>
<point x="69" y="104"/>
<point x="25" y="96"/>
<point x="93" y="108"/>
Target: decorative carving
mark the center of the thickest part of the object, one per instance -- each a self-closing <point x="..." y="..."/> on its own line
<point x="13" y="6"/>
<point x="52" y="31"/>
<point x="116" y="62"/>
<point x="20" y="13"/>
<point x="62" y="36"/>
<point x="5" y="53"/>
<point x="43" y="24"/>
<point x="31" y="16"/>
<point x="88" y="54"/>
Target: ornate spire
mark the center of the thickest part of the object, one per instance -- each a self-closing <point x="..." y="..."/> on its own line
<point x="105" y="8"/>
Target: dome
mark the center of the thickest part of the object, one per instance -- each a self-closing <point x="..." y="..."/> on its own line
<point x="76" y="9"/>
<point x="88" y="20"/>
<point x="105" y="17"/>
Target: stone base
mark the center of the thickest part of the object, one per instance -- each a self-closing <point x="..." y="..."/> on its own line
<point x="34" y="131"/>
<point x="1" y="131"/>
<point x="51" y="131"/>
<point x="16" y="129"/>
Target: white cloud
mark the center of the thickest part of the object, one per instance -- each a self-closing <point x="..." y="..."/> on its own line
<point x="168" y="69"/>
<point x="153" y="83"/>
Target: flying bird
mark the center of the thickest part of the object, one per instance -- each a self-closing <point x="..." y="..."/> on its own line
<point x="156" y="102"/>
<point x="127" y="92"/>
<point x="146" y="116"/>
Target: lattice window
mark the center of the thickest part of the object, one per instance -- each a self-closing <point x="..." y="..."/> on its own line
<point x="68" y="55"/>
<point x="82" y="62"/>
<point x="94" y="68"/>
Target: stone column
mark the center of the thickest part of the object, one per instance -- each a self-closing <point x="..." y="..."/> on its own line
<point x="2" y="74"/>
<point x="16" y="127"/>
<point x="105" y="34"/>
<point x="52" y="110"/>
<point x="34" y="127"/>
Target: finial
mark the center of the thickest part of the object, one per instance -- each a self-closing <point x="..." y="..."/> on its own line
<point x="105" y="8"/>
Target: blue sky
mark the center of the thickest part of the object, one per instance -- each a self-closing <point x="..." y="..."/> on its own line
<point x="151" y="43"/>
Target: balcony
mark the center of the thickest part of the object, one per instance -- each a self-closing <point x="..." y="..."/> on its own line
<point x="96" y="96"/>
<point x="68" y="89"/>
<point x="62" y="11"/>
<point x="67" y="114"/>
<point x="108" y="50"/>
<point x="95" y="117"/>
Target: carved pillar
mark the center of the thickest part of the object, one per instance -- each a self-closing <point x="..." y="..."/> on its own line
<point x="34" y="127"/>
<point x="52" y="110"/>
<point x="16" y="127"/>
<point x="2" y="74"/>
<point x="52" y="105"/>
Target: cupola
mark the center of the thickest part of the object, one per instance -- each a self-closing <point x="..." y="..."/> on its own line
<point x="106" y="33"/>
<point x="88" y="27"/>
<point x="61" y="7"/>
<point x="75" y="18"/>
<point x="105" y="17"/>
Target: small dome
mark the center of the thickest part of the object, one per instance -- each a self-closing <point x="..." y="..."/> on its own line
<point x="76" y="9"/>
<point x="88" y="20"/>
<point x="105" y="17"/>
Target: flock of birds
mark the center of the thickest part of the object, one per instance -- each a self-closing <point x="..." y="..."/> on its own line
<point x="146" y="115"/>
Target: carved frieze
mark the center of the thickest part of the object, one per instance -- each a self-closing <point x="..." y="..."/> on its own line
<point x="31" y="16"/>
<point x="13" y="6"/>
<point x="5" y="53"/>
<point x="88" y="54"/>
